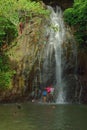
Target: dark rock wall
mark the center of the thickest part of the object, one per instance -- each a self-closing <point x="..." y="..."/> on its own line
<point x="62" y="3"/>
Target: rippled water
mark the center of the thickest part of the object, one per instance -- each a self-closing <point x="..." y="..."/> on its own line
<point x="43" y="117"/>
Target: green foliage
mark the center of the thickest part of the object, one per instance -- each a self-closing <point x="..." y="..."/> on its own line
<point x="8" y="31"/>
<point x="77" y="17"/>
<point x="54" y="27"/>
<point x="11" y="8"/>
<point x="10" y="13"/>
<point x="8" y="10"/>
<point x="5" y="72"/>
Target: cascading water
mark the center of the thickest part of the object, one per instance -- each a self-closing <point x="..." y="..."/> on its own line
<point x="53" y="67"/>
<point x="56" y="55"/>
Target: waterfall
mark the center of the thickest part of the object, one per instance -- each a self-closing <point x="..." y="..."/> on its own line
<point x="60" y="58"/>
<point x="53" y="64"/>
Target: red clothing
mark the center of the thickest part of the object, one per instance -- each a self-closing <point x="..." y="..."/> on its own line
<point x="48" y="89"/>
<point x="21" y="27"/>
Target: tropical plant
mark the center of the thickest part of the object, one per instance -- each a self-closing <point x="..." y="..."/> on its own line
<point x="11" y="8"/>
<point x="11" y="11"/>
<point x="8" y="31"/>
<point x="77" y="17"/>
<point x="5" y="72"/>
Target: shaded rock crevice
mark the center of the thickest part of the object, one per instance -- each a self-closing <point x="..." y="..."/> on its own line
<point x="64" y="4"/>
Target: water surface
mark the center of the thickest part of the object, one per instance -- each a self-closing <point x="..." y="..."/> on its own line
<point x="33" y="116"/>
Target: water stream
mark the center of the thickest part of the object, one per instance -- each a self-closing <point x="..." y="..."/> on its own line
<point x="56" y="32"/>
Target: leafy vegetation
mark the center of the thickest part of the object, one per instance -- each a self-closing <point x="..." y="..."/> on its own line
<point x="77" y="17"/>
<point x="11" y="9"/>
<point x="5" y="72"/>
<point x="8" y="31"/>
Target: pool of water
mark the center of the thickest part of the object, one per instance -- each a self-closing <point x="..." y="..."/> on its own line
<point x="33" y="116"/>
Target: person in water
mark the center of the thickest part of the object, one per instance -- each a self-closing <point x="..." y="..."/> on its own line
<point x="44" y="95"/>
<point x="50" y="94"/>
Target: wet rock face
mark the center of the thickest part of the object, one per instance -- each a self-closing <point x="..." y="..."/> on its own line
<point x="62" y="3"/>
<point x="25" y="57"/>
<point x="82" y="73"/>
